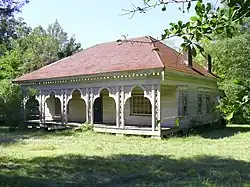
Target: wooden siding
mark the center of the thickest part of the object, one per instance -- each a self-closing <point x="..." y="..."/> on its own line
<point x="135" y="119"/>
<point x="168" y="105"/>
<point x="109" y="110"/>
<point x="77" y="110"/>
<point x="192" y="86"/>
<point x="50" y="109"/>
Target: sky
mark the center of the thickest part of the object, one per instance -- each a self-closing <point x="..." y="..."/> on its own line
<point x="98" y="21"/>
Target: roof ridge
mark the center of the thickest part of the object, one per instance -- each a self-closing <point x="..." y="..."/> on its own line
<point x="157" y="54"/>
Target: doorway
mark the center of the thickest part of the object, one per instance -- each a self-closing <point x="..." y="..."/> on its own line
<point x="98" y="112"/>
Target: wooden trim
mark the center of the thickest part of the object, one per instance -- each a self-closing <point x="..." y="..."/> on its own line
<point x="186" y="76"/>
<point x="126" y="131"/>
<point x="131" y="113"/>
<point x="119" y="75"/>
<point x="147" y="115"/>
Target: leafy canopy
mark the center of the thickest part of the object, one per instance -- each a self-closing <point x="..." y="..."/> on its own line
<point x="208" y="21"/>
<point x="24" y="49"/>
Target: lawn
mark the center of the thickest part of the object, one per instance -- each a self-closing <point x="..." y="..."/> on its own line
<point x="210" y="158"/>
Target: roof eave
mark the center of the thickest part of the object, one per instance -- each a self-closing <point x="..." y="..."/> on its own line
<point x="181" y="73"/>
<point x="160" y="69"/>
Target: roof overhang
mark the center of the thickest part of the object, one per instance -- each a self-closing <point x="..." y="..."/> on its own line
<point x="124" y="75"/>
<point x="170" y="73"/>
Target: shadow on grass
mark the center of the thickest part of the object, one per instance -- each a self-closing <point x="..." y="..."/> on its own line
<point x="217" y="133"/>
<point x="10" y="136"/>
<point x="124" y="170"/>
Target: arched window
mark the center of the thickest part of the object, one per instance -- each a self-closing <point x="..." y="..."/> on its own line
<point x="139" y="104"/>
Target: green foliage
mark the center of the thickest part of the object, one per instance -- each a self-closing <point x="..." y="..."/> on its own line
<point x="210" y="158"/>
<point x="177" y="122"/>
<point x="207" y="22"/>
<point x="8" y="23"/>
<point x="10" y="102"/>
<point x="10" y="65"/>
<point x="231" y="63"/>
<point x="40" y="47"/>
<point x="22" y="50"/>
<point x="86" y="127"/>
<point x="224" y="33"/>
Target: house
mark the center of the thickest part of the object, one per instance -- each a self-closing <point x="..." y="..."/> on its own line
<point x="140" y="86"/>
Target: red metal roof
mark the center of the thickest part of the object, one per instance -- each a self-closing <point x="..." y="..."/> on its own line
<point x="112" y="57"/>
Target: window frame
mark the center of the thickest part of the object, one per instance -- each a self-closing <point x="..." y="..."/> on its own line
<point x="200" y="104"/>
<point x="183" y="104"/>
<point x="144" y="101"/>
<point x="208" y="104"/>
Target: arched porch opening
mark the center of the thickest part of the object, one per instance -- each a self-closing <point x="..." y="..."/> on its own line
<point x="53" y="108"/>
<point x="32" y="111"/>
<point x="104" y="109"/>
<point x="138" y="109"/>
<point x="76" y="108"/>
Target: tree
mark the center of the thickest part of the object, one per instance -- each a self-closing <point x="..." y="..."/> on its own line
<point x="10" y="102"/>
<point x="24" y="51"/>
<point x="40" y="46"/>
<point x="231" y="62"/>
<point x="8" y="23"/>
<point x="62" y="45"/>
<point x="208" y="20"/>
<point x="10" y="65"/>
<point x="224" y="33"/>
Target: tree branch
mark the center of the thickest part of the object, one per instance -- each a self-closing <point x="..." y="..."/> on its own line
<point x="125" y="40"/>
<point x="149" y="6"/>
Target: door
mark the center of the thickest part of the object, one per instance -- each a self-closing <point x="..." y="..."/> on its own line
<point x="98" y="113"/>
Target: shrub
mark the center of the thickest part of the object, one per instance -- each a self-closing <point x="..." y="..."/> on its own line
<point x="10" y="102"/>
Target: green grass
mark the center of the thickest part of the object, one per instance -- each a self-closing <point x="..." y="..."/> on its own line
<point x="206" y="158"/>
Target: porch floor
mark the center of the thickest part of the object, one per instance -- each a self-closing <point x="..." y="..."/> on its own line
<point x="106" y="128"/>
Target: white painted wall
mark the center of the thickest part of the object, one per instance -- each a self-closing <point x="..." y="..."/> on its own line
<point x="50" y="110"/>
<point x="76" y="110"/>
<point x="109" y="110"/>
<point x="168" y="105"/>
<point x="134" y="119"/>
<point x="169" y="97"/>
<point x="193" y="87"/>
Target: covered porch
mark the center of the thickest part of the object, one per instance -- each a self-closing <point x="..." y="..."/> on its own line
<point x="126" y="109"/>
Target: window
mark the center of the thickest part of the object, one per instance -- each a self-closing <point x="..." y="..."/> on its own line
<point x="208" y="104"/>
<point x="140" y="105"/>
<point x="183" y="104"/>
<point x="199" y="104"/>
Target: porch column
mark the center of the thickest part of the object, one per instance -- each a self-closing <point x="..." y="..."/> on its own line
<point x="121" y="110"/>
<point x="177" y="103"/>
<point x="118" y="106"/>
<point x="87" y="106"/>
<point x="62" y="106"/>
<point x="38" y="98"/>
<point x="65" y="112"/>
<point x="22" y="107"/>
<point x="91" y="103"/>
<point x="153" y="108"/>
<point x="42" y="109"/>
<point x="158" y="106"/>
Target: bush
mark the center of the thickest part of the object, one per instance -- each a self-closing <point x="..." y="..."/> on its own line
<point x="86" y="127"/>
<point x="10" y="102"/>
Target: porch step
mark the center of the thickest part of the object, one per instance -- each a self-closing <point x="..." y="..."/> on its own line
<point x="137" y="131"/>
<point x="128" y="129"/>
